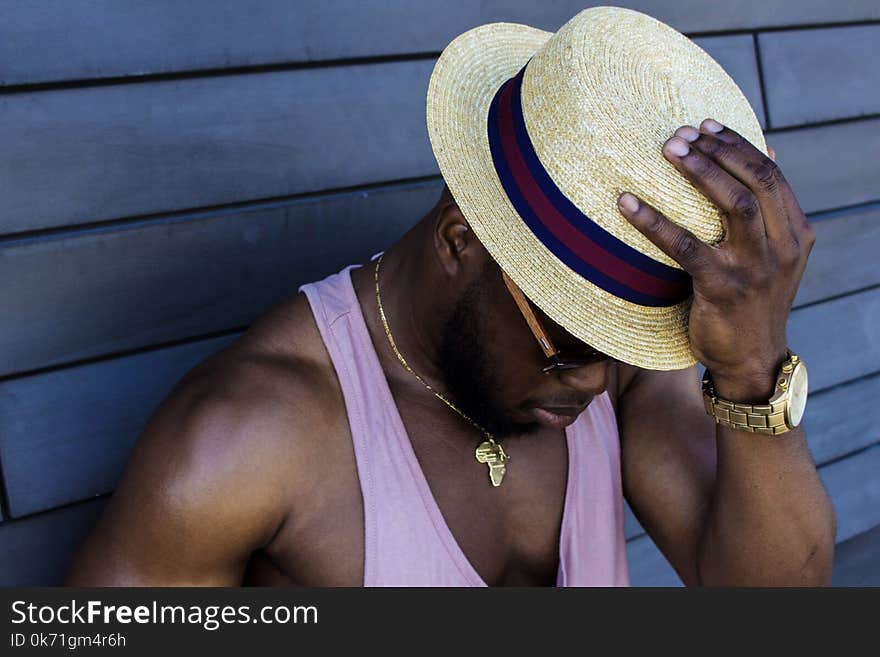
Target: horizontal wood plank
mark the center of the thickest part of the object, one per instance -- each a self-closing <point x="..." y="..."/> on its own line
<point x="66" y="435"/>
<point x="90" y="154"/>
<point x="844" y="257"/>
<point x="843" y="419"/>
<point x="38" y="551"/>
<point x="854" y="490"/>
<point x="821" y="75"/>
<point x="103" y="291"/>
<point x="857" y="561"/>
<point x="91" y="39"/>
<point x="838" y="338"/>
<point x="831" y="166"/>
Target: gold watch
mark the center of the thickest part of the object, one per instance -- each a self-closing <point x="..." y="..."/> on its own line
<point x="782" y="413"/>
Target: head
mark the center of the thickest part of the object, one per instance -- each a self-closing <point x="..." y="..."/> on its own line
<point x="490" y="359"/>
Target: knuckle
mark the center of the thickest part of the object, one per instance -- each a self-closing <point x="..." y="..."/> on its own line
<point x="767" y="174"/>
<point x="704" y="168"/>
<point x="790" y="253"/>
<point x="809" y="234"/>
<point x="653" y="221"/>
<point x="744" y="204"/>
<point x="808" y="238"/>
<point x="685" y="246"/>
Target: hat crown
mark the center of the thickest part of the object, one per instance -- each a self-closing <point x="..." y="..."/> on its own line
<point x="601" y="97"/>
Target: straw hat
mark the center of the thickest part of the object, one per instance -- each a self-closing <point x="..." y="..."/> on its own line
<point x="537" y="134"/>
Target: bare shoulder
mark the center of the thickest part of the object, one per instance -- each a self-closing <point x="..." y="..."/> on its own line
<point x="221" y="462"/>
<point x="257" y="406"/>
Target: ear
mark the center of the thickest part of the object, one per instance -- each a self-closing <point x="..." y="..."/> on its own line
<point x="457" y="249"/>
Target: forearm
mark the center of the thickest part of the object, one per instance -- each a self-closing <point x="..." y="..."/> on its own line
<point x="770" y="521"/>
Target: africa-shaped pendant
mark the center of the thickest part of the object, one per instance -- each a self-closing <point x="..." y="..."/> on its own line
<point x="492" y="454"/>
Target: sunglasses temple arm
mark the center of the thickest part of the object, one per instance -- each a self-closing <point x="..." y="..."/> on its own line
<point x="537" y="330"/>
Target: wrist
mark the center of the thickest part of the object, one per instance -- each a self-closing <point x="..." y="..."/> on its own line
<point x="751" y="383"/>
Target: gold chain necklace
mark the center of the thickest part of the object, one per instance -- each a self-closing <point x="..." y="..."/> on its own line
<point x="489" y="452"/>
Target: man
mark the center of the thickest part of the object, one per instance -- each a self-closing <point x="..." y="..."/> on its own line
<point x="470" y="407"/>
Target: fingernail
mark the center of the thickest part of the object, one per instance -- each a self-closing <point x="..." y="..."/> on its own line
<point x="712" y="125"/>
<point x="688" y="133"/>
<point x="628" y="202"/>
<point x="677" y="146"/>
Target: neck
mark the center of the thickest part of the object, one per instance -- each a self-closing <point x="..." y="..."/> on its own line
<point x="409" y="298"/>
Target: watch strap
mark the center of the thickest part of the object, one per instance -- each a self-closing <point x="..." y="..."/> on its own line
<point x="766" y="419"/>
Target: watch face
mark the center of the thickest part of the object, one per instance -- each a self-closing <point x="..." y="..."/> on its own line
<point x="797" y="399"/>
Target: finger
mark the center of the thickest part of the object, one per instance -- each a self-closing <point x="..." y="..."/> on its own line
<point x="771" y="152"/>
<point x="694" y="255"/>
<point x="743" y="223"/>
<point x="754" y="169"/>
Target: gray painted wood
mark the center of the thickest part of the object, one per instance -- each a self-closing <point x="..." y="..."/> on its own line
<point x="856" y="402"/>
<point x="184" y="276"/>
<point x="844" y="256"/>
<point x="831" y="166"/>
<point x="820" y="75"/>
<point x="857" y="561"/>
<point x="648" y="566"/>
<point x="89" y="154"/>
<point x="74" y="39"/>
<point x="854" y="490"/>
<point x="838" y="338"/>
<point x="100" y="291"/>
<point x="737" y="56"/>
<point x="66" y="435"/>
<point x="38" y="551"/>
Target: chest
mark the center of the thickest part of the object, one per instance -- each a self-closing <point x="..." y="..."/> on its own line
<point x="506" y="535"/>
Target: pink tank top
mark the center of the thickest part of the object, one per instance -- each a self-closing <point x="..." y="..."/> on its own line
<point x="407" y="541"/>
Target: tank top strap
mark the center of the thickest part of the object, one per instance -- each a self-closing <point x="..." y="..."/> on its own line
<point x="404" y="542"/>
<point x="592" y="542"/>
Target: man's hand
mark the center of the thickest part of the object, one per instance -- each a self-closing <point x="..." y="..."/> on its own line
<point x="745" y="285"/>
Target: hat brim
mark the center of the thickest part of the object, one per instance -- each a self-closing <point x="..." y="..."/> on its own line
<point x="463" y="83"/>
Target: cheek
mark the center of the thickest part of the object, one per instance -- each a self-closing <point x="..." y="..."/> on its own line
<point x="516" y="370"/>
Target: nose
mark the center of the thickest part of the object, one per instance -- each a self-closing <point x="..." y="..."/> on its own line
<point x="590" y="379"/>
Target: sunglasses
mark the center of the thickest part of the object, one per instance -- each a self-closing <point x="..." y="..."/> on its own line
<point x="559" y="361"/>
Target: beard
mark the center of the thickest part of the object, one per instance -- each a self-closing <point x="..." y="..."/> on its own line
<point x="469" y="376"/>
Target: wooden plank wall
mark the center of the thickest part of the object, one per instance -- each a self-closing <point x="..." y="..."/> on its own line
<point x="172" y="170"/>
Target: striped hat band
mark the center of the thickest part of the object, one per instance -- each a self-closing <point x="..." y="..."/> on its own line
<point x="578" y="241"/>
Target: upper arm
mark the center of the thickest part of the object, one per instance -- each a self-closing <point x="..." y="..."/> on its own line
<point x="668" y="461"/>
<point x="198" y="496"/>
